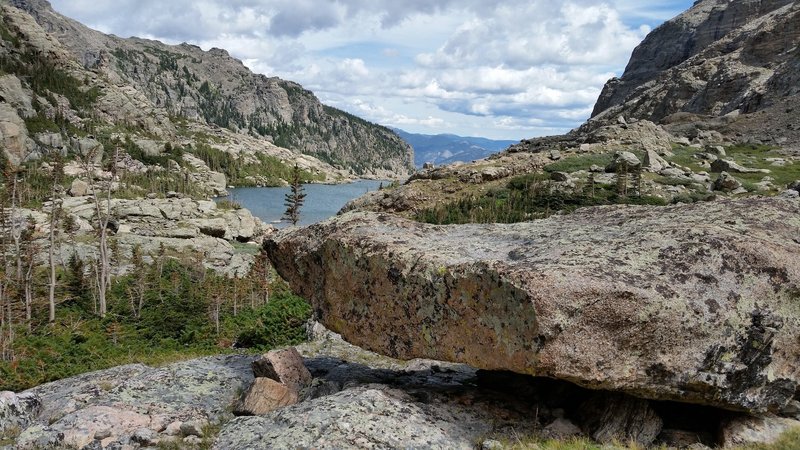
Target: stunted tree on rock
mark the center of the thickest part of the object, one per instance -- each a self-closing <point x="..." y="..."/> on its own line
<point x="295" y="197"/>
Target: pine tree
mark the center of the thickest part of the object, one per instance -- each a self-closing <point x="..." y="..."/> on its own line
<point x="295" y="198"/>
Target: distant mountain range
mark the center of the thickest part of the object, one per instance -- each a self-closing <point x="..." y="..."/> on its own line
<point x="449" y="148"/>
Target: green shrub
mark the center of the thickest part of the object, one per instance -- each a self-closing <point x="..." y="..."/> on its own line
<point x="228" y="204"/>
<point x="179" y="299"/>
<point x="272" y="169"/>
<point x="280" y="322"/>
<point x="526" y="197"/>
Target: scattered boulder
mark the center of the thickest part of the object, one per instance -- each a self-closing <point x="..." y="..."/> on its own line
<point x="725" y="165"/>
<point x="706" y="157"/>
<point x="790" y="193"/>
<point x="39" y="436"/>
<point x="173" y="429"/>
<point x="193" y="428"/>
<point x="79" y="188"/>
<point x="284" y="366"/>
<point x="561" y="177"/>
<point x="89" y="148"/>
<point x="654" y="162"/>
<point x="621" y="418"/>
<point x="794" y="185"/>
<point x="623" y="159"/>
<point x="561" y="428"/>
<point x="726" y="183"/>
<point x="656" y="321"/>
<point x="701" y="178"/>
<point x="747" y="430"/>
<point x="486" y="174"/>
<point x="213" y="181"/>
<point x="672" y="172"/>
<point x="555" y="155"/>
<point x="717" y="150"/>
<point x="145" y="437"/>
<point x="265" y="395"/>
<point x="114" y="405"/>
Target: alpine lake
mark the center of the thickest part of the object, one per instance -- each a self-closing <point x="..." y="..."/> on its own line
<point x="322" y="200"/>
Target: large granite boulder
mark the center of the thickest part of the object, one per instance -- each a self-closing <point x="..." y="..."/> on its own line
<point x="695" y="303"/>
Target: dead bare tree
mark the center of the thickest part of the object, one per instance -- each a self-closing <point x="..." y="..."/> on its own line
<point x="103" y="213"/>
<point x="29" y="265"/>
<point x="138" y="289"/>
<point x="6" y="304"/>
<point x="55" y="212"/>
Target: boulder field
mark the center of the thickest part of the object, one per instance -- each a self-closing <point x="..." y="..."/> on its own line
<point x="691" y="303"/>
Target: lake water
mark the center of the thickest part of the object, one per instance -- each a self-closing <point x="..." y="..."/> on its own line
<point x="322" y="200"/>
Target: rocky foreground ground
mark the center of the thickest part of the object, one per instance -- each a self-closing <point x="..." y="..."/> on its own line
<point x="352" y="398"/>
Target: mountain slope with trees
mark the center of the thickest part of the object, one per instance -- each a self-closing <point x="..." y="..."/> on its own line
<point x="162" y="93"/>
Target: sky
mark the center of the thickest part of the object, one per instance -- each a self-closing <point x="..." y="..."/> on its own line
<point x="504" y="70"/>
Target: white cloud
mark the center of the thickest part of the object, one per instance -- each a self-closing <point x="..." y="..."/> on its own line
<point x="509" y="69"/>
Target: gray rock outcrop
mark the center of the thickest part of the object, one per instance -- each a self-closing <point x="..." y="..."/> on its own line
<point x="724" y="59"/>
<point x="378" y="417"/>
<point x="694" y="39"/>
<point x="13" y="135"/>
<point x="133" y="402"/>
<point x="694" y="303"/>
<point x="194" y="226"/>
<point x="17" y="412"/>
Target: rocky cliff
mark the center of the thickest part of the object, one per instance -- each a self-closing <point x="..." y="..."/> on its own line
<point x="179" y="92"/>
<point x="718" y="58"/>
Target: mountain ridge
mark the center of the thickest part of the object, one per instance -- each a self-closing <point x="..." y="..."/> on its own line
<point x="446" y="148"/>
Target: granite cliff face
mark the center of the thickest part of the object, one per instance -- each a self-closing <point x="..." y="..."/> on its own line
<point x="719" y="57"/>
<point x="162" y="90"/>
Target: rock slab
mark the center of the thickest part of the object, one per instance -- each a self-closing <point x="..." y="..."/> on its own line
<point x="694" y="303"/>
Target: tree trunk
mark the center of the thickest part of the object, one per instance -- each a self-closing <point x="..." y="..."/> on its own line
<point x="51" y="296"/>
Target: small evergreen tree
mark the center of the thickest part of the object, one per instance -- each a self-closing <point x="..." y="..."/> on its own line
<point x="295" y="198"/>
